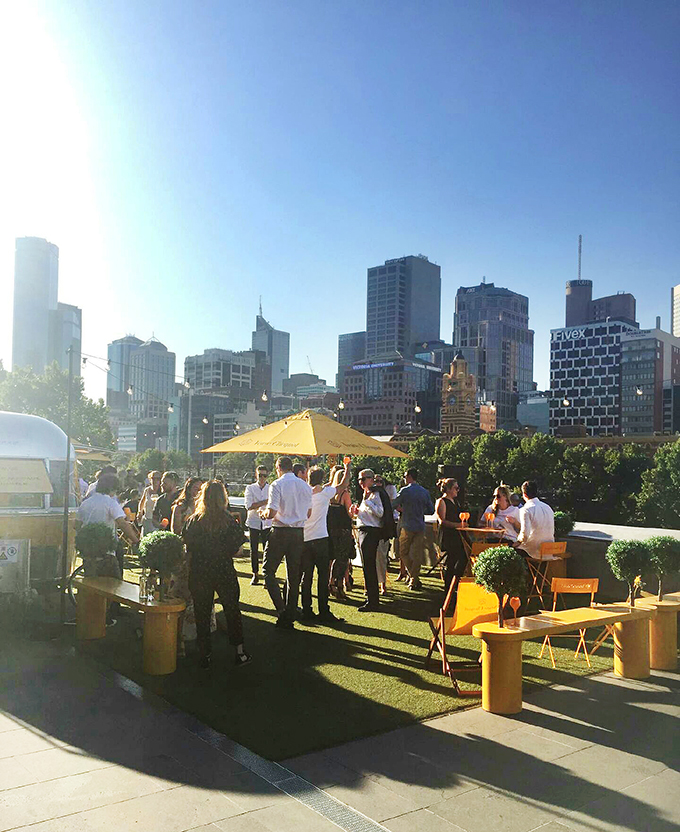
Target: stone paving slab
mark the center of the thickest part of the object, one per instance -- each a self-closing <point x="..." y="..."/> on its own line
<point x="84" y="750"/>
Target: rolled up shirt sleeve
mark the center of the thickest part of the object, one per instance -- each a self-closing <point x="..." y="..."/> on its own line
<point x="274" y="502"/>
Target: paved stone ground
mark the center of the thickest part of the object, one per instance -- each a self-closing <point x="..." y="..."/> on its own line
<point x="82" y="749"/>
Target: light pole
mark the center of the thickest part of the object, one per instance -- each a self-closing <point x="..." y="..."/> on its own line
<point x="188" y="386"/>
<point x="67" y="489"/>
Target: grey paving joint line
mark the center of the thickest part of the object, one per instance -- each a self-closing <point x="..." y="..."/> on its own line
<point x="275" y="774"/>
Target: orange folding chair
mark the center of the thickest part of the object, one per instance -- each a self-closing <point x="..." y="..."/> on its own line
<point x="476" y="550"/>
<point x="473" y="605"/>
<point x="571" y="586"/>
<point x="538" y="567"/>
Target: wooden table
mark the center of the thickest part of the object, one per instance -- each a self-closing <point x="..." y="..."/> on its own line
<point x="663" y="630"/>
<point x="502" y="647"/>
<point x="160" y="619"/>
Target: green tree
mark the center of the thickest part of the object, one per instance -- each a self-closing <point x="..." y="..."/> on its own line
<point x="489" y="464"/>
<point x="539" y="458"/>
<point x="22" y="391"/>
<point x="664" y="556"/>
<point x="658" y="502"/>
<point x="628" y="559"/>
<point x="501" y="570"/>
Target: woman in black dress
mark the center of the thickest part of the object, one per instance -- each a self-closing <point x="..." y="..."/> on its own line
<point x="212" y="538"/>
<point x="448" y="511"/>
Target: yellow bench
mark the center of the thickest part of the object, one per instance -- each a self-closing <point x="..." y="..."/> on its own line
<point x="160" y="619"/>
<point x="502" y="647"/>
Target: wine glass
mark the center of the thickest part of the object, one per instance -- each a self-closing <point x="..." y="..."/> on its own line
<point x="515" y="603"/>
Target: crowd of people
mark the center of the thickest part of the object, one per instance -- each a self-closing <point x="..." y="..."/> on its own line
<point x="307" y="518"/>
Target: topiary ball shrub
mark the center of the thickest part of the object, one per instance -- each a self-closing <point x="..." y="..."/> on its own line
<point x="161" y="551"/>
<point x="628" y="559"/>
<point x="95" y="540"/>
<point x="501" y="570"/>
<point x="664" y="557"/>
<point x="564" y="523"/>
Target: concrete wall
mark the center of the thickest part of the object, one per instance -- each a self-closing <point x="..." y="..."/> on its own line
<point x="588" y="544"/>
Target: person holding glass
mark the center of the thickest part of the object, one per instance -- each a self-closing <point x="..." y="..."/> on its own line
<point x="505" y="515"/>
<point x="448" y="509"/>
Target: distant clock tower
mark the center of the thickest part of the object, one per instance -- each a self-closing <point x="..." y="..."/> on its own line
<point x="459" y="393"/>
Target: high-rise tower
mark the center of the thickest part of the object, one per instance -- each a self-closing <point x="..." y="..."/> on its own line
<point x="491" y="329"/>
<point x="276" y="345"/>
<point x="403" y="306"/>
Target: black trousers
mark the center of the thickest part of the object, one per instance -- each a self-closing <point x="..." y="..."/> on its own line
<point x="284" y="542"/>
<point x="369" y="538"/>
<point x="315" y="553"/>
<point x="205" y="579"/>
<point x="257" y="536"/>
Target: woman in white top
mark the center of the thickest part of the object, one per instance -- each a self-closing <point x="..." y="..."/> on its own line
<point x="147" y="503"/>
<point x="506" y="516"/>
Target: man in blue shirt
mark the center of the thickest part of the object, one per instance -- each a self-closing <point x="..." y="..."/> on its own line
<point x="414" y="502"/>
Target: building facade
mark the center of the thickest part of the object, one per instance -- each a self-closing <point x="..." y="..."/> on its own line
<point x="244" y="375"/>
<point x="675" y="311"/>
<point x="43" y="329"/>
<point x="533" y="411"/>
<point x="351" y="350"/>
<point x="581" y="308"/>
<point x="380" y="397"/>
<point x="491" y="329"/>
<point x="275" y="344"/>
<point x="152" y="380"/>
<point x="585" y="377"/>
<point x="650" y="374"/>
<point x="118" y="378"/>
<point x="459" y="399"/>
<point x="403" y="306"/>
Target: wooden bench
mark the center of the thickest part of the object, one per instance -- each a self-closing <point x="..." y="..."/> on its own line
<point x="502" y="647"/>
<point x="663" y="630"/>
<point x="160" y="619"/>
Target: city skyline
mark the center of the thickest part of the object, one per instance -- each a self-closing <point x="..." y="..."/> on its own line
<point x="269" y="161"/>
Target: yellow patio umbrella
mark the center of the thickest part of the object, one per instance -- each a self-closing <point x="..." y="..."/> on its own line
<point x="305" y="434"/>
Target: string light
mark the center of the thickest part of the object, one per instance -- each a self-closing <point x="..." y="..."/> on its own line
<point x="205" y="420"/>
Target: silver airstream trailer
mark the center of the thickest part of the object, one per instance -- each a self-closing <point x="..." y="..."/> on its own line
<point x="32" y="465"/>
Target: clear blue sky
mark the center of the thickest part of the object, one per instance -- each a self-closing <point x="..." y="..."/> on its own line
<point x="190" y="157"/>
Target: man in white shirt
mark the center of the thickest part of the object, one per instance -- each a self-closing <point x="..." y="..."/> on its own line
<point x="288" y="506"/>
<point x="369" y="518"/>
<point x="256" y="496"/>
<point x="102" y="507"/>
<point x="316" y="552"/>
<point x="537" y="522"/>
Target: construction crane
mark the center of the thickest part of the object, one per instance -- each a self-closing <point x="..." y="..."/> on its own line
<point x="309" y="364"/>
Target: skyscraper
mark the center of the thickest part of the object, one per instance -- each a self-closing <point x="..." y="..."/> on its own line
<point x="675" y="311"/>
<point x="351" y="348"/>
<point x="580" y="308"/>
<point x="118" y="377"/>
<point x="152" y="379"/>
<point x="43" y="329"/>
<point x="491" y="329"/>
<point x="276" y="345"/>
<point x="403" y="306"/>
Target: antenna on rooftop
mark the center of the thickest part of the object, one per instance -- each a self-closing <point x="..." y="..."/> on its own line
<point x="483" y="278"/>
<point x="580" y="245"/>
<point x="260" y="305"/>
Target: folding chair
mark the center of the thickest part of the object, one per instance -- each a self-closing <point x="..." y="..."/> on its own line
<point x="538" y="567"/>
<point x="474" y="605"/>
<point x="571" y="586"/>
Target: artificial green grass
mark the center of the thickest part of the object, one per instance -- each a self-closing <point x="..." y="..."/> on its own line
<point x="320" y="686"/>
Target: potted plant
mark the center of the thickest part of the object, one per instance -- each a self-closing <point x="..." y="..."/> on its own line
<point x="501" y="570"/>
<point x="564" y="523"/>
<point x="628" y="559"/>
<point x="95" y="541"/>
<point x="664" y="557"/>
<point x="161" y="552"/>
